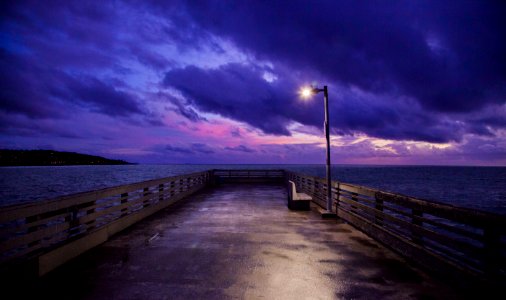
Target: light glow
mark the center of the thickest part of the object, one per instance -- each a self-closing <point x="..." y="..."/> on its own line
<point x="306" y="92"/>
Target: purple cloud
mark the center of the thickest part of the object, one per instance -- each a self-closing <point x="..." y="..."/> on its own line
<point x="240" y="148"/>
<point x="194" y="148"/>
<point x="425" y="71"/>
<point x="407" y="48"/>
<point x="240" y="92"/>
<point x="235" y="133"/>
<point x="101" y="97"/>
<point x="40" y="94"/>
<point x="234" y="91"/>
<point x="185" y="110"/>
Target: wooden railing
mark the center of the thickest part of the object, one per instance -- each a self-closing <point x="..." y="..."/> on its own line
<point x="248" y="175"/>
<point x="44" y="230"/>
<point x="54" y="231"/>
<point x="434" y="234"/>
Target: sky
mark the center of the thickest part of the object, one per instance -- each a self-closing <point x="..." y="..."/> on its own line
<point x="410" y="82"/>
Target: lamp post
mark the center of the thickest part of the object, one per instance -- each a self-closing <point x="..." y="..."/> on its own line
<point x="306" y="93"/>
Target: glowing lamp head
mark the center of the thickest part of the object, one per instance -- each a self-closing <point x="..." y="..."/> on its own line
<point x="306" y="92"/>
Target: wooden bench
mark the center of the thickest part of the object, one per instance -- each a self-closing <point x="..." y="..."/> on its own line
<point x="297" y="201"/>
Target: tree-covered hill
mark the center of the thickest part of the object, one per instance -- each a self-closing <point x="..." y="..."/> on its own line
<point x="52" y="158"/>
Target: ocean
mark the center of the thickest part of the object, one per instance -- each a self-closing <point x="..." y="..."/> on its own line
<point x="481" y="188"/>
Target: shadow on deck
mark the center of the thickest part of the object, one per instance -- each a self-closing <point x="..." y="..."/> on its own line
<point x="239" y="241"/>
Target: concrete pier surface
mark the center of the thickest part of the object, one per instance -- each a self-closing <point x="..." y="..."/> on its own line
<point x="239" y="242"/>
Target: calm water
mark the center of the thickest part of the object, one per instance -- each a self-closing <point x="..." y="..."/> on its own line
<point x="475" y="187"/>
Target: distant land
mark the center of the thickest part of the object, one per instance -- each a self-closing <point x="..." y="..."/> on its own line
<point x="52" y="158"/>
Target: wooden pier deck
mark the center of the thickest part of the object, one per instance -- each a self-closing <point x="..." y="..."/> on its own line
<point x="239" y="242"/>
<point x="207" y="235"/>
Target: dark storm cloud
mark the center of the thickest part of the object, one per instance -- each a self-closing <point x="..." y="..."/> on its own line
<point x="234" y="91"/>
<point x="448" y="55"/>
<point x="49" y="54"/>
<point x="447" y="58"/>
<point x="21" y="88"/>
<point x="101" y="97"/>
<point x="29" y="88"/>
<point x="239" y="92"/>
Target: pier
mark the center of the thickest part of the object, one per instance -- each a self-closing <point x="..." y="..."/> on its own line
<point x="229" y="234"/>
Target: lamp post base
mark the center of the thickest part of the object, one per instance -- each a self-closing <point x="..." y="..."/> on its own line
<point x="328" y="214"/>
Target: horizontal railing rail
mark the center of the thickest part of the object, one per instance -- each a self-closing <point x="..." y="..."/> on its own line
<point x="428" y="232"/>
<point x="252" y="175"/>
<point x="30" y="230"/>
<point x="249" y="173"/>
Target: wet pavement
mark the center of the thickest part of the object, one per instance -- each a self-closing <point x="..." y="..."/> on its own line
<point x="239" y="242"/>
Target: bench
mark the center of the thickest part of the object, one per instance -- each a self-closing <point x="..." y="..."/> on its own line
<point x="297" y="201"/>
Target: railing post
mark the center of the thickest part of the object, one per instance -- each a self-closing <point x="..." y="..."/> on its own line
<point x="315" y="187"/>
<point x="124" y="199"/>
<point x="354" y="199"/>
<point x="378" y="219"/>
<point x="211" y="178"/>
<point x="338" y="194"/>
<point x="91" y="224"/>
<point x="72" y="220"/>
<point x="160" y="192"/>
<point x="416" y="214"/>
<point x="492" y="250"/>
<point x="145" y="202"/>
<point x="29" y="220"/>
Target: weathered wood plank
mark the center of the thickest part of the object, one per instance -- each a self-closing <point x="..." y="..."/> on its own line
<point x="426" y="233"/>
<point x="357" y="189"/>
<point x="458" y="214"/>
<point x="18" y="228"/>
<point x="406" y="248"/>
<point x="25" y="239"/>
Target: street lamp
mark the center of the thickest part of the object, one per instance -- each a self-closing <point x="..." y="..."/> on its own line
<point x="307" y="92"/>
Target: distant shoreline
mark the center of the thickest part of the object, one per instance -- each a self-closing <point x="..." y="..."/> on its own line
<point x="39" y="158"/>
